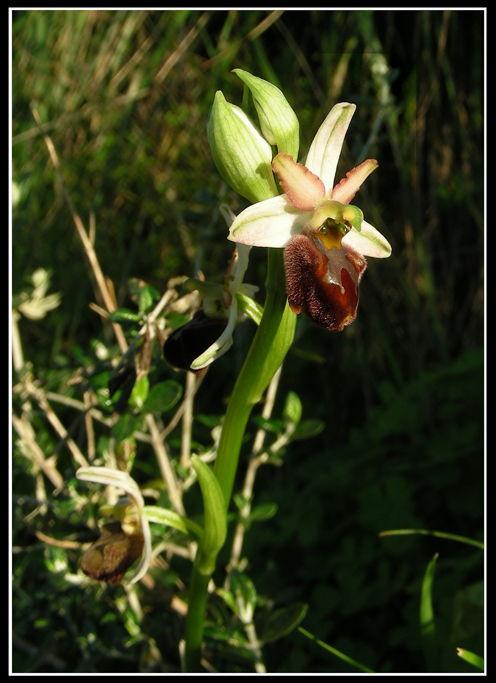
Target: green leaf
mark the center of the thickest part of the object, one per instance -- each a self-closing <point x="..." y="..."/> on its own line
<point x="125" y="317"/>
<point x="214" y="518"/>
<point x="292" y="408"/>
<point x="177" y="321"/>
<point x="239" y="500"/>
<point x="262" y="512"/>
<point x="228" y="598"/>
<point x="269" y="424"/>
<point x="163" y="396"/>
<point x="245" y="596"/>
<point x="124" y="427"/>
<point x="308" y="429"/>
<point x="160" y="515"/>
<point x="140" y="392"/>
<point x="147" y="297"/>
<point x="282" y="622"/>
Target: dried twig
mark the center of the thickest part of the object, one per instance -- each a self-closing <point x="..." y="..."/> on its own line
<point x="257" y="458"/>
<point x="165" y="466"/>
<point x="87" y="243"/>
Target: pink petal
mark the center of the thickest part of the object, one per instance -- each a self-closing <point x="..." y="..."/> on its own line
<point x="347" y="188"/>
<point x="303" y="188"/>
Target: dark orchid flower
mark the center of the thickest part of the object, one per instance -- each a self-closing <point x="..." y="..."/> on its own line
<point x="208" y="335"/>
<point x="113" y="554"/>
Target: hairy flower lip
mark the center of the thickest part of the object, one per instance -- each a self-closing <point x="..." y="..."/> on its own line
<point x="322" y="283"/>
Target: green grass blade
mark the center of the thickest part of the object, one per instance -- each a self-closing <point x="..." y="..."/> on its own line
<point x="471" y="657"/>
<point x="439" y="534"/>
<point x="427" y="622"/>
<point x="337" y="653"/>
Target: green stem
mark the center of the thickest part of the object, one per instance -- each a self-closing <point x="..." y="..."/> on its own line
<point x="269" y="347"/>
<point x="193" y="632"/>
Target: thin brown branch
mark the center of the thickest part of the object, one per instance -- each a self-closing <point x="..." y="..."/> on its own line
<point x="46" y="465"/>
<point x="87" y="244"/>
<point x="165" y="466"/>
<point x="40" y="397"/>
<point x="257" y="458"/>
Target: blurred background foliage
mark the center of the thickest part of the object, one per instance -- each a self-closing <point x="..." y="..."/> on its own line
<point x="124" y="96"/>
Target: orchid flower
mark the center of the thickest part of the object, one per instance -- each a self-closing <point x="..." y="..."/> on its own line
<point x="113" y="554"/>
<point x="325" y="238"/>
<point x="209" y="334"/>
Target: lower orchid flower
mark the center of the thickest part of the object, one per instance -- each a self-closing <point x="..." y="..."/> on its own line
<point x="209" y="334"/>
<point x="120" y="545"/>
<point x="324" y="236"/>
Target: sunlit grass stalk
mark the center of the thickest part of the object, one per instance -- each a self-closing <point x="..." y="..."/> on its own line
<point x="269" y="347"/>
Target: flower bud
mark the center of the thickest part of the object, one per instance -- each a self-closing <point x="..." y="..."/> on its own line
<point x="242" y="156"/>
<point x="278" y="121"/>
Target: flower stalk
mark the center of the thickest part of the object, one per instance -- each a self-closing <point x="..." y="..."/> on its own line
<point x="268" y="349"/>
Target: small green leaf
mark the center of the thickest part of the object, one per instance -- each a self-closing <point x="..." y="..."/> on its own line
<point x="124" y="427"/>
<point x="140" y="392"/>
<point x="262" y="512"/>
<point x="209" y="421"/>
<point x="163" y="396"/>
<point x="292" y="409"/>
<point x="282" y="622"/>
<point x="308" y="429"/>
<point x="147" y="297"/>
<point x="245" y="596"/>
<point x="269" y="425"/>
<point x="214" y="518"/>
<point x="160" y="515"/>
<point x="239" y="500"/>
<point x="177" y="321"/>
<point x="228" y="598"/>
<point x="125" y="317"/>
